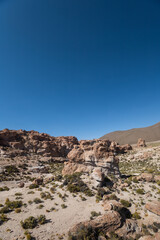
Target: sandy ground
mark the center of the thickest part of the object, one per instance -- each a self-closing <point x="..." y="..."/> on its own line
<point x="59" y="220"/>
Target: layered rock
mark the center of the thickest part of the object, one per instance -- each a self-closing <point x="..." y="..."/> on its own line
<point x="20" y="143"/>
<point x="96" y="157"/>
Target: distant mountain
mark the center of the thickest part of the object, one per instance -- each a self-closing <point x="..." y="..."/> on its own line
<point x="131" y="136"/>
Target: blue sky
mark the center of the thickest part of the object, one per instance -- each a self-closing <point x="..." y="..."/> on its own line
<point x="83" y="68"/>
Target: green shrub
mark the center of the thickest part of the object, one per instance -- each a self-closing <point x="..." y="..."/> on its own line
<point x="136" y="215"/>
<point x="13" y="204"/>
<point x="75" y="184"/>
<point x="17" y="210"/>
<point x="11" y="169"/>
<point x="113" y="197"/>
<point x="37" y="200"/>
<point x="46" y="195"/>
<point x="63" y="206"/>
<point x="83" y="233"/>
<point x="125" y="203"/>
<point x="5" y="188"/>
<point x="94" y="214"/>
<point x="41" y="219"/>
<point x="5" y="209"/>
<point x="33" y="185"/>
<point x="135" y="180"/>
<point x="40" y="206"/>
<point x="140" y="191"/>
<point x="18" y="194"/>
<point x="32" y="222"/>
<point x="31" y="192"/>
<point x="3" y="218"/>
<point x="29" y="223"/>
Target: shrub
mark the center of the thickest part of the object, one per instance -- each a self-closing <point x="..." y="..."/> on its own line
<point x="31" y="192"/>
<point x="37" y="200"/>
<point x="95" y="214"/>
<point x="32" y="222"/>
<point x="33" y="185"/>
<point x="135" y="180"/>
<point x="157" y="224"/>
<point x="40" y="206"/>
<point x="29" y="223"/>
<point x="45" y="195"/>
<point x="136" y="215"/>
<point x="5" y="209"/>
<point x="11" y="169"/>
<point x="3" y="218"/>
<point x="140" y="191"/>
<point x="63" y="206"/>
<point x="83" y="233"/>
<point x="5" y="188"/>
<point x="17" y="210"/>
<point x="158" y="182"/>
<point x="75" y="184"/>
<point x="18" y="194"/>
<point x="125" y="203"/>
<point x="41" y="219"/>
<point x="13" y="204"/>
<point x="113" y="197"/>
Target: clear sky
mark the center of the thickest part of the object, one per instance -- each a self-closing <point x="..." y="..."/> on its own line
<point x="79" y="67"/>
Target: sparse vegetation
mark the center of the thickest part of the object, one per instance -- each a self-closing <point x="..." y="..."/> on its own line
<point x="125" y="203"/>
<point x="75" y="184"/>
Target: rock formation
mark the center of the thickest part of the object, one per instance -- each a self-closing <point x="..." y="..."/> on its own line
<point x="20" y="143"/>
<point x="106" y="223"/>
<point x="141" y="143"/>
<point x="96" y="157"/>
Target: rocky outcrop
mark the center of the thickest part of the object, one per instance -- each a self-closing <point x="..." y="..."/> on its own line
<point x="148" y="177"/>
<point x="111" y="222"/>
<point x="153" y="207"/>
<point x="106" y="223"/>
<point x="141" y="143"/>
<point x="21" y="143"/>
<point x="96" y="157"/>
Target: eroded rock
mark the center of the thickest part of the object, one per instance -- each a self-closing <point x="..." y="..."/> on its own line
<point x="153" y="207"/>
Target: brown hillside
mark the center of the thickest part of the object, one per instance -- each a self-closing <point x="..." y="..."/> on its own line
<point x="150" y="134"/>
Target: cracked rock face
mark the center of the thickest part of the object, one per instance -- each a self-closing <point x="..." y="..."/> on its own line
<point x="97" y="157"/>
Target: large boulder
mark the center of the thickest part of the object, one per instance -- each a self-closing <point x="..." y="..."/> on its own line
<point x="109" y="222"/>
<point x="153" y="207"/>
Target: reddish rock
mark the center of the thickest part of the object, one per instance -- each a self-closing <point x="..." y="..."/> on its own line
<point x="148" y="177"/>
<point x="106" y="223"/>
<point x="17" y="143"/>
<point x="153" y="207"/>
